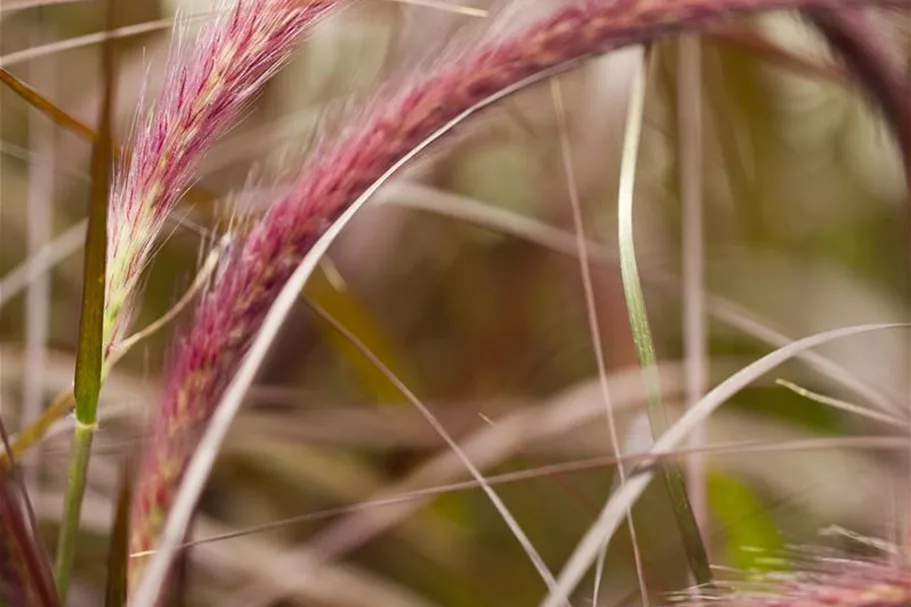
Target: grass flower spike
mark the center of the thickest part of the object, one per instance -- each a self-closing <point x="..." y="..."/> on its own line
<point x="759" y="138"/>
<point x="210" y="81"/>
<point x="339" y="171"/>
<point x="207" y="86"/>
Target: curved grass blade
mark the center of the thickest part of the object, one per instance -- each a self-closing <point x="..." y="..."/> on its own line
<point x="200" y="465"/>
<point x="697" y="556"/>
<point x="690" y="187"/>
<point x="614" y="510"/>
<point x="597" y="347"/>
<point x="89" y="356"/>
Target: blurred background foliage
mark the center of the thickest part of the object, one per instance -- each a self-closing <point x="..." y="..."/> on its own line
<point x="806" y="228"/>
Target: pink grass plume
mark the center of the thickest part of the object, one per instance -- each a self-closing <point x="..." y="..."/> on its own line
<point x="210" y="79"/>
<point x="340" y="170"/>
<point x="818" y="579"/>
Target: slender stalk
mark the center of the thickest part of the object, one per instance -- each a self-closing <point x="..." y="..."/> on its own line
<point x="594" y="329"/>
<point x="695" y="335"/>
<point x="45" y="106"/>
<point x="674" y="479"/>
<point x="90" y="354"/>
<point x="39" y="222"/>
<point x="60" y="407"/>
<point x="72" y="509"/>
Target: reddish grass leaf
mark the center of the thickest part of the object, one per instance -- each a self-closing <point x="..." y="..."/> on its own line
<point x="25" y="571"/>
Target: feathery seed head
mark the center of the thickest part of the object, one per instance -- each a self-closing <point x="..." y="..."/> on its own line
<point x="209" y="82"/>
<point x="823" y="582"/>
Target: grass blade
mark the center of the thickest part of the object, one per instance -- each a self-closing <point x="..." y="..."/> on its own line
<point x="594" y="328"/>
<point x="695" y="328"/>
<point x="118" y="555"/>
<point x="45" y="106"/>
<point x="632" y="289"/>
<point x="615" y="509"/>
<point x="451" y="443"/>
<point x="87" y="384"/>
<point x="89" y="356"/>
<point x="25" y="571"/>
<point x="21" y="583"/>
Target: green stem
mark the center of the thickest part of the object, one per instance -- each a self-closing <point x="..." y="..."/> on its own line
<point x="72" y="508"/>
<point x="635" y="300"/>
<point x="90" y="363"/>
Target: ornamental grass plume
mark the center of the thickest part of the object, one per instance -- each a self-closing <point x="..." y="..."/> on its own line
<point x="338" y="172"/>
<point x="209" y="81"/>
<point x="824" y="581"/>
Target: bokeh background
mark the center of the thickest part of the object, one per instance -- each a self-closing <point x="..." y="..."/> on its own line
<point x="483" y="314"/>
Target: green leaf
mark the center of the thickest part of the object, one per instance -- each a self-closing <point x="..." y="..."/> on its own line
<point x="645" y="349"/>
<point x="89" y="355"/>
